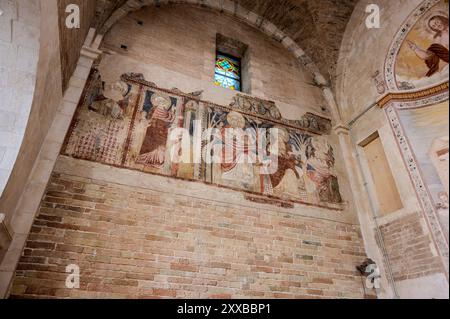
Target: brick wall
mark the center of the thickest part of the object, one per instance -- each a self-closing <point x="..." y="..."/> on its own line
<point x="138" y="243"/>
<point x="409" y="248"/>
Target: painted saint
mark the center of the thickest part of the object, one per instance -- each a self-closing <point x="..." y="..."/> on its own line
<point x="285" y="180"/>
<point x="235" y="165"/>
<point x="438" y="50"/>
<point x="110" y="100"/>
<point x="321" y="182"/>
<point x="159" y="110"/>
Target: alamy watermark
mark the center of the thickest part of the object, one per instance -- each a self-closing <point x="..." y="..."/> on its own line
<point x="373" y="19"/>
<point x="73" y="277"/>
<point x="73" y="19"/>
<point x="373" y="279"/>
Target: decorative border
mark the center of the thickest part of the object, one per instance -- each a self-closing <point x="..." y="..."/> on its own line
<point x="284" y="122"/>
<point x="411" y="100"/>
<point x="428" y="208"/>
<point x="389" y="68"/>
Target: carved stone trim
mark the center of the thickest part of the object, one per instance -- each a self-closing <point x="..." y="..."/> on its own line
<point x="269" y="111"/>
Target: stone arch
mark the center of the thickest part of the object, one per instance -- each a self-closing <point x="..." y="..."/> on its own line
<point x="19" y="56"/>
<point x="39" y="94"/>
<point x="231" y="8"/>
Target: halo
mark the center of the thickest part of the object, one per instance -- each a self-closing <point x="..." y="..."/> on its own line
<point x="192" y="105"/>
<point x="236" y="120"/>
<point x="283" y="134"/>
<point x="320" y="144"/>
<point x="115" y="90"/>
<point x="161" y="100"/>
<point x="429" y="16"/>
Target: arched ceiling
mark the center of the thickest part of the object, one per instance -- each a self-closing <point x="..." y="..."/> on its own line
<point x="317" y="26"/>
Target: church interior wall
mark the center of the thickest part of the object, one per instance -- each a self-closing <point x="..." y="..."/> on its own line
<point x="395" y="71"/>
<point x="276" y="76"/>
<point x="141" y="227"/>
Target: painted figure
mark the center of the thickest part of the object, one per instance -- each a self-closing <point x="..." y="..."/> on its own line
<point x="160" y="111"/>
<point x="235" y="165"/>
<point x="287" y="163"/>
<point x="438" y="51"/>
<point x="320" y="180"/>
<point x="109" y="100"/>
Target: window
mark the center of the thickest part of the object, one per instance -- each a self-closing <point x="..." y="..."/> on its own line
<point x="228" y="72"/>
<point x="383" y="181"/>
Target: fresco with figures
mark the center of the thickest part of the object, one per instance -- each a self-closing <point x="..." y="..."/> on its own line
<point x="131" y="124"/>
<point x="422" y="60"/>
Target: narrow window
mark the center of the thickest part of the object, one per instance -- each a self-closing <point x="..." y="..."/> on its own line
<point x="385" y="188"/>
<point x="228" y="72"/>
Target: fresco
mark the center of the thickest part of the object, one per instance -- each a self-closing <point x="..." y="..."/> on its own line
<point x="427" y="130"/>
<point x="423" y="57"/>
<point x="136" y="125"/>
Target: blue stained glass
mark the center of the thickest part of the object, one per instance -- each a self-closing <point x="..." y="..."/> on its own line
<point x="227" y="72"/>
<point x="227" y="82"/>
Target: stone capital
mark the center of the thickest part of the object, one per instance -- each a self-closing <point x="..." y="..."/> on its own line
<point x="341" y="129"/>
<point x="90" y="53"/>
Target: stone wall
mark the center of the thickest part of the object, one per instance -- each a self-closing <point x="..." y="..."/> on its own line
<point x="46" y="86"/>
<point x="408" y="245"/>
<point x="34" y="95"/>
<point x="139" y="235"/>
<point x="143" y="242"/>
<point x="220" y="245"/>
<point x="375" y="120"/>
<point x="19" y="53"/>
<point x="47" y="119"/>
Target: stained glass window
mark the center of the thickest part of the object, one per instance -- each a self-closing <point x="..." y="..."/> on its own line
<point x="228" y="72"/>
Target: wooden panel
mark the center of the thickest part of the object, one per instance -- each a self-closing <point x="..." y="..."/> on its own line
<point x="72" y="39"/>
<point x="386" y="190"/>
